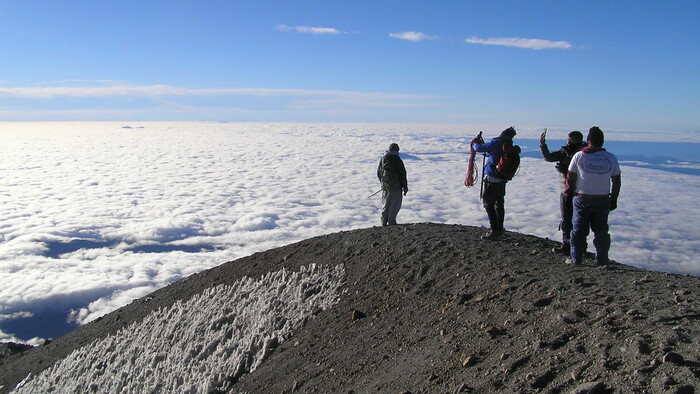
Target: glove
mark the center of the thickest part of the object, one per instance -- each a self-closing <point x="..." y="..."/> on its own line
<point x="405" y="190"/>
<point x="613" y="203"/>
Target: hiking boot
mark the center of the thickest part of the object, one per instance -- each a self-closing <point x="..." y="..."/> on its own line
<point x="568" y="261"/>
<point x="491" y="234"/>
<point x="564" y="248"/>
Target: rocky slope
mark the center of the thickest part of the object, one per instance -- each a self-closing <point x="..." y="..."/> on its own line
<point x="433" y="308"/>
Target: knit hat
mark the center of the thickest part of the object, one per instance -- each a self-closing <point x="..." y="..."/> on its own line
<point x="509" y="133"/>
<point x="394" y="147"/>
<point x="595" y="137"/>
<point x="577" y="135"/>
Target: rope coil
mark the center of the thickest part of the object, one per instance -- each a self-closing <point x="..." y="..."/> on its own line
<point x="472" y="170"/>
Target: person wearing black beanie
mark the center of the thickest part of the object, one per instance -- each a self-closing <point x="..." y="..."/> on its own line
<point x="595" y="137"/>
<point x="574" y="143"/>
<point x="493" y="198"/>
<point x="392" y="176"/>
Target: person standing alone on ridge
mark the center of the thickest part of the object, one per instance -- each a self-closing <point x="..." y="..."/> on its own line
<point x="574" y="143"/>
<point x="594" y="182"/>
<point x="494" y="186"/>
<point x="392" y="175"/>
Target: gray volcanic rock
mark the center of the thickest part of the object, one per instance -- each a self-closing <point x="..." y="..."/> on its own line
<point x="434" y="308"/>
<point x="10" y="348"/>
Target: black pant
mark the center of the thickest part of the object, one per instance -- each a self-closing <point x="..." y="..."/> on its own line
<point x="494" y="200"/>
<point x="567" y="212"/>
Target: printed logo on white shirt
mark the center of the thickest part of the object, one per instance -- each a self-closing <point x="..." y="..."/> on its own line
<point x="597" y="164"/>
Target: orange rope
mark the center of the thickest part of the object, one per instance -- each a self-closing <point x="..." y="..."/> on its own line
<point x="472" y="171"/>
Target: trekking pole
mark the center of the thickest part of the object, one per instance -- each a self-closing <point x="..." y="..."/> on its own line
<point x="483" y="174"/>
<point x="375" y="193"/>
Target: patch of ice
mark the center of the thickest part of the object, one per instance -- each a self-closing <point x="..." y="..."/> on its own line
<point x="200" y="345"/>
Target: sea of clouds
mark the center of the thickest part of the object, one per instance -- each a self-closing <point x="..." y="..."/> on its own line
<point x="94" y="215"/>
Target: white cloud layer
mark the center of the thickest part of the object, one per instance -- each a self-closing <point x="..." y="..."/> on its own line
<point x="93" y="215"/>
<point x="527" y="43"/>
<point x="412" y="36"/>
<point x="309" y="29"/>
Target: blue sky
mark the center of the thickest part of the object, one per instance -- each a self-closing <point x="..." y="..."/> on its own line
<point x="623" y="65"/>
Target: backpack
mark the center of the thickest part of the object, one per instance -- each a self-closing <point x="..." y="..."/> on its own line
<point x="390" y="179"/>
<point x="509" y="162"/>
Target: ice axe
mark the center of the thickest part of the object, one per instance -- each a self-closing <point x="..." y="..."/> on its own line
<point x="483" y="168"/>
<point x="480" y="139"/>
<point x="375" y="193"/>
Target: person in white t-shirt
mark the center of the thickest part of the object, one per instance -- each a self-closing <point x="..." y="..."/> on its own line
<point x="593" y="181"/>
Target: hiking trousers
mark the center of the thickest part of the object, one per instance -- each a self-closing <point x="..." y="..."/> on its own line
<point x="566" y="206"/>
<point x="391" y="204"/>
<point x="590" y="213"/>
<point x="494" y="203"/>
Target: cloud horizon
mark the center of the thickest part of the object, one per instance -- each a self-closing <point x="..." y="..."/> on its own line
<point x="93" y="215"/>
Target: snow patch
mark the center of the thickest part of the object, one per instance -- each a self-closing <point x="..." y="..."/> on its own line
<point x="200" y="345"/>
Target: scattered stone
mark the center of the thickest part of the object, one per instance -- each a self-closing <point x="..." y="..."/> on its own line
<point x="469" y="361"/>
<point x="462" y="298"/>
<point x="561" y="340"/>
<point x="670" y="381"/>
<point x="494" y="332"/>
<point x="672" y="357"/>
<point x="463" y="388"/>
<point x="543" y="380"/>
<point x="357" y="315"/>
<point x="507" y="282"/>
<point x="573" y="317"/>
<point x="685" y="389"/>
<point x="542" y="302"/>
<point x="518" y="363"/>
<point x="643" y="347"/>
<point x="649" y="368"/>
<point x="423" y="270"/>
<point x="589" y="388"/>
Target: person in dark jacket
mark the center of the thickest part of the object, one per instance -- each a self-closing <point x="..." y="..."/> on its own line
<point x="562" y="157"/>
<point x="494" y="187"/>
<point x="392" y="175"/>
